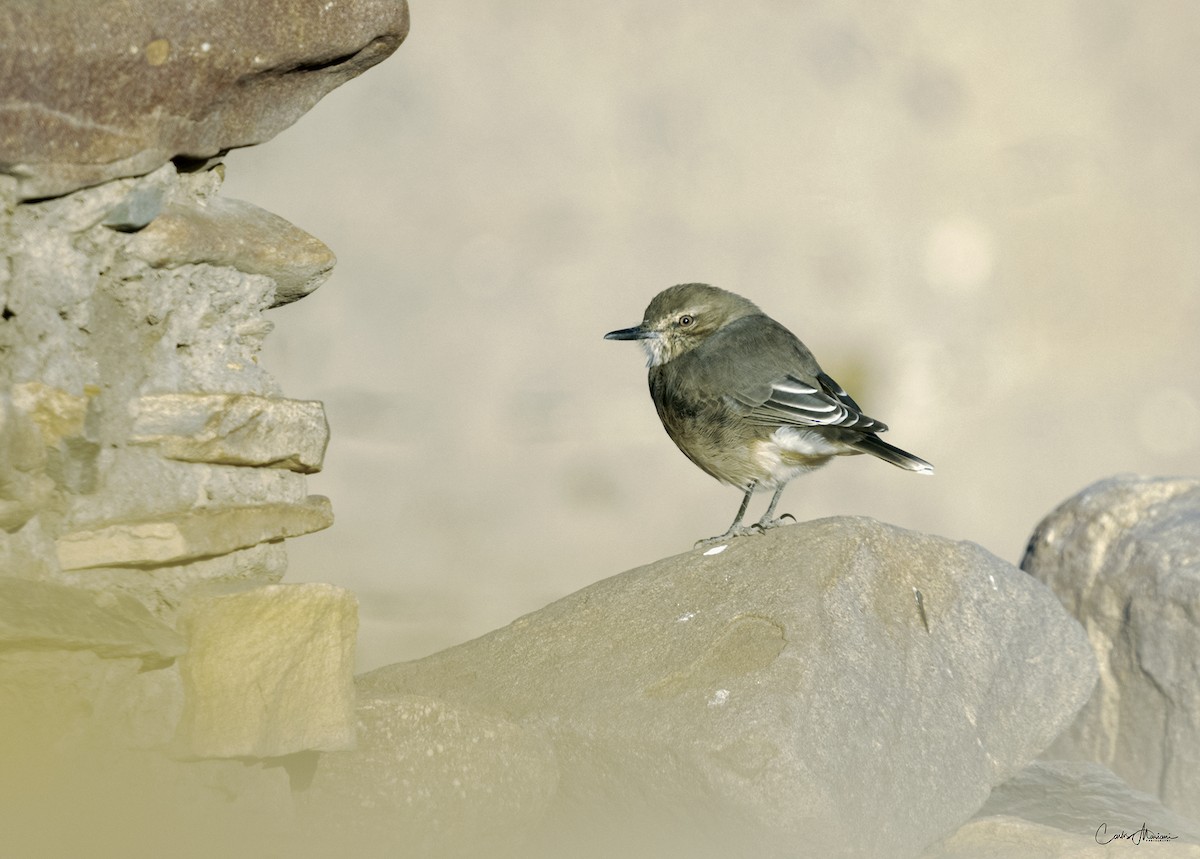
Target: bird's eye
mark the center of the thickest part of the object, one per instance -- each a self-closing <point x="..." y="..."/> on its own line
<point x="685" y="320"/>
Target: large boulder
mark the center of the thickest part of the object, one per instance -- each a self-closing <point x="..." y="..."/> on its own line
<point x="1124" y="558"/>
<point x="840" y="687"/>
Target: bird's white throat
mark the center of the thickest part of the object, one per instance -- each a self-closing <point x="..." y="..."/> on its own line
<point x="656" y="350"/>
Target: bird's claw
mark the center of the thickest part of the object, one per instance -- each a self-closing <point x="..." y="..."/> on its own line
<point x="761" y="527"/>
<point x="739" y="531"/>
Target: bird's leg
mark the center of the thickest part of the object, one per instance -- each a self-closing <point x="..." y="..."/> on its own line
<point x="737" y="529"/>
<point x="766" y="521"/>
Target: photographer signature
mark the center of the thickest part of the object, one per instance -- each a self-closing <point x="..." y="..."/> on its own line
<point x="1135" y="837"/>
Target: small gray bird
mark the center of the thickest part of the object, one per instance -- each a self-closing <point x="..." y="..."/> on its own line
<point x="745" y="400"/>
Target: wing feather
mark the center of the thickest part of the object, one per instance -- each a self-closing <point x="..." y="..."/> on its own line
<point x="791" y="401"/>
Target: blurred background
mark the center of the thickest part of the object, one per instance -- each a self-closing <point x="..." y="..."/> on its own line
<point x="984" y="219"/>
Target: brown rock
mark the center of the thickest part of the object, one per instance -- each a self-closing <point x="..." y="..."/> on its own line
<point x="99" y="90"/>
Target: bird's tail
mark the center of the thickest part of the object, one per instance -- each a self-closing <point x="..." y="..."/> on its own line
<point x="876" y="446"/>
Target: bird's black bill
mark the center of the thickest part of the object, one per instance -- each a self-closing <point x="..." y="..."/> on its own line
<point x="635" y="333"/>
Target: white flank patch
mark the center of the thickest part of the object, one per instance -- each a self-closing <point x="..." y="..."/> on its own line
<point x="769" y="454"/>
<point x="804" y="441"/>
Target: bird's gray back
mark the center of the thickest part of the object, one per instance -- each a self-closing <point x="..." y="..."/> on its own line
<point x="745" y="358"/>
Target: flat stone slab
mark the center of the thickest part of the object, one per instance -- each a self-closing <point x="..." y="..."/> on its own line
<point x="234" y="233"/>
<point x="202" y="533"/>
<point x="234" y="429"/>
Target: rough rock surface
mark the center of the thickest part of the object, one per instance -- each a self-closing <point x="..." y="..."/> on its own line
<point x="41" y="615"/>
<point x="237" y="234"/>
<point x="269" y="672"/>
<point x="1080" y="797"/>
<point x="234" y="429"/>
<point x="1124" y="558"/>
<point x="1069" y="810"/>
<point x="156" y="684"/>
<point x="769" y="698"/>
<point x="101" y="90"/>
<point x="431" y="779"/>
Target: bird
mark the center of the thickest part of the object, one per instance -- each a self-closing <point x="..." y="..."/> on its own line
<point x="744" y="398"/>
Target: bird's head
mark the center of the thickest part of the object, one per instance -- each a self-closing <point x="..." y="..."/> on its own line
<point x="682" y="317"/>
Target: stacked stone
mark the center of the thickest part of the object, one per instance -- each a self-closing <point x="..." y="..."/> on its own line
<point x="150" y="468"/>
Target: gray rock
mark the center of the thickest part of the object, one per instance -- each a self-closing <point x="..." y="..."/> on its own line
<point x="43" y="615"/>
<point x="1080" y="797"/>
<point x="97" y="91"/>
<point x="1124" y="558"/>
<point x="777" y="696"/>
<point x="142" y="205"/>
<point x="430" y="779"/>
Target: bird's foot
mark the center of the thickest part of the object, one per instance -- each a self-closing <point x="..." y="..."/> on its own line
<point x="763" y="525"/>
<point x="736" y="531"/>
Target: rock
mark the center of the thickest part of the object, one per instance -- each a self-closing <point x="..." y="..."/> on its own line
<point x="1081" y="796"/>
<point x="25" y="488"/>
<point x="459" y="778"/>
<point x="137" y="483"/>
<point x="776" y="695"/>
<point x="1015" y="838"/>
<point x="269" y="672"/>
<point x="148" y="464"/>
<point x="39" y="614"/>
<point x="97" y="91"/>
<point x="55" y="701"/>
<point x="141" y="206"/>
<point x="203" y="533"/>
<point x="1124" y="558"/>
<point x="233" y="233"/>
<point x="57" y="414"/>
<point x="85" y="317"/>
<point x="234" y="429"/>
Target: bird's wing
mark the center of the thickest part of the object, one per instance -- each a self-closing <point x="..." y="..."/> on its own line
<point x="774" y="381"/>
<point x="792" y="401"/>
